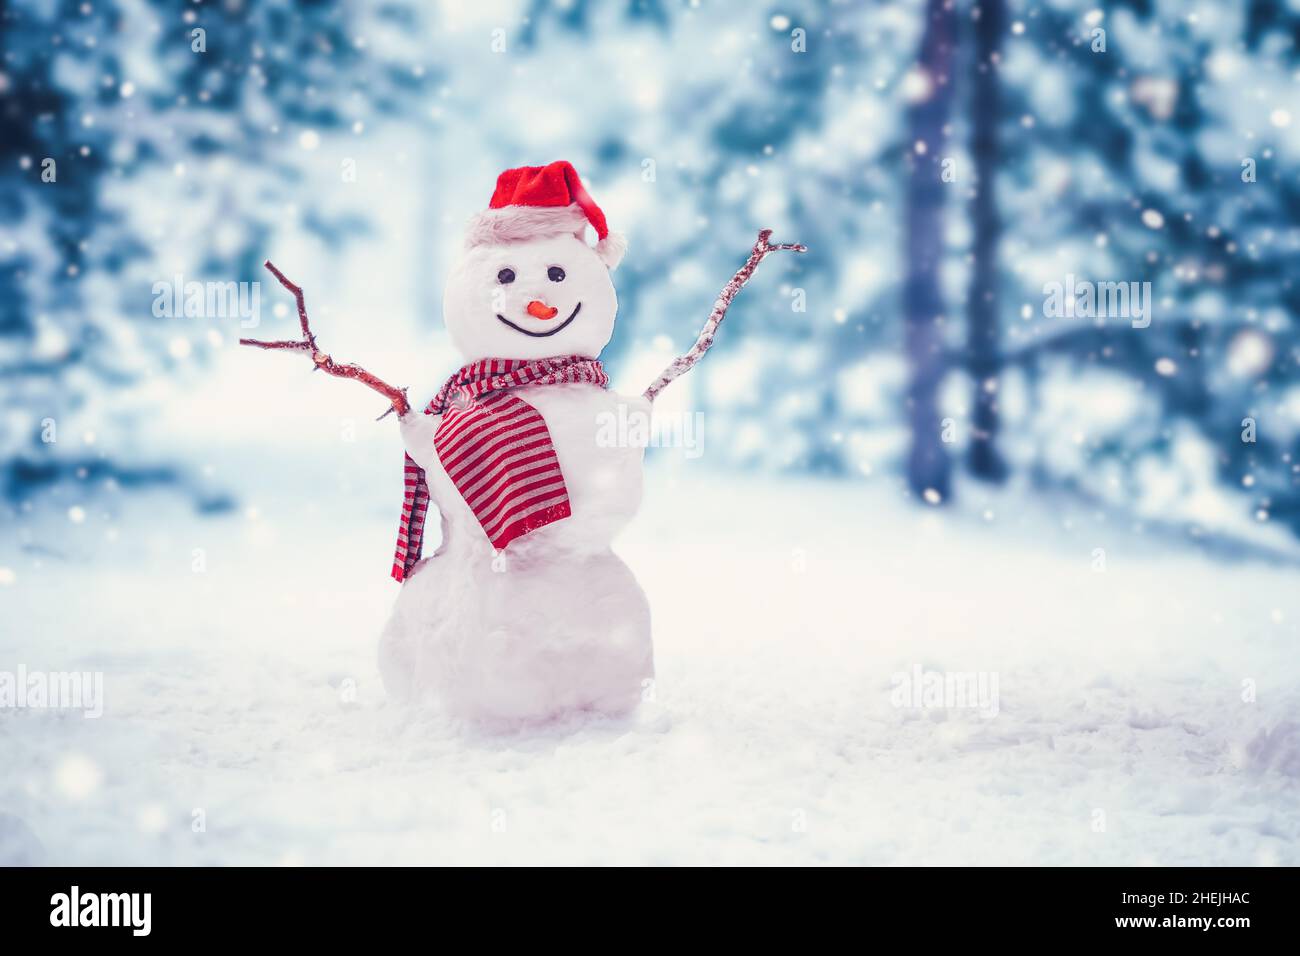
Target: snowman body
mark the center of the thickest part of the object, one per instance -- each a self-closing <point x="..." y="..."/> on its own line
<point x="554" y="622"/>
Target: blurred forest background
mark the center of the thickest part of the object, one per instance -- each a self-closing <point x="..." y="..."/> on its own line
<point x="944" y="162"/>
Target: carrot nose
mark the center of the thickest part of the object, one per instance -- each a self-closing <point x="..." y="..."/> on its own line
<point x="540" y="310"/>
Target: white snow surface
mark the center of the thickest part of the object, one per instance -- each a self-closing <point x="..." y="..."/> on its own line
<point x="782" y="609"/>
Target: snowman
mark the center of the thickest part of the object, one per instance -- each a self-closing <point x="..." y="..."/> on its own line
<point x="523" y="612"/>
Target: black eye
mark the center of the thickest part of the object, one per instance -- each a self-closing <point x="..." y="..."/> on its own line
<point x="555" y="274"/>
<point x="506" y="276"/>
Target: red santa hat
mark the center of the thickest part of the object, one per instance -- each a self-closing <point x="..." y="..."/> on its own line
<point x="534" y="202"/>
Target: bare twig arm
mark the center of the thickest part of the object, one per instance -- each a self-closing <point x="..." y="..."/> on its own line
<point x="307" y="343"/>
<point x="762" y="248"/>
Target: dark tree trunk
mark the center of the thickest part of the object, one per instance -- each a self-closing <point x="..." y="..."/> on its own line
<point x="928" y="467"/>
<point x="983" y="328"/>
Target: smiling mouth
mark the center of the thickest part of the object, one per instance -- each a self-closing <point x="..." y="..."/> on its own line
<point x="541" y="335"/>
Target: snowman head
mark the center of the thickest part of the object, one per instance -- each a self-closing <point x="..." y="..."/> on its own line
<point x="527" y="284"/>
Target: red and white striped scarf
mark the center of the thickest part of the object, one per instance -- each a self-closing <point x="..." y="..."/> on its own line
<point x="497" y="451"/>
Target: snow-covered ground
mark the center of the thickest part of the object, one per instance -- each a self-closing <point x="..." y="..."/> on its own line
<point x="1145" y="713"/>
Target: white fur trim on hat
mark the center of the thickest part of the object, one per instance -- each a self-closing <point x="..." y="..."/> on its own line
<point x="520" y="223"/>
